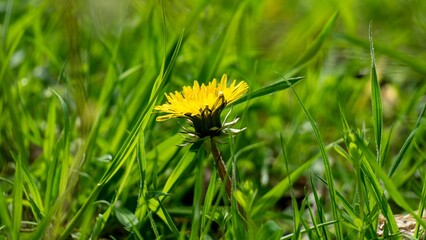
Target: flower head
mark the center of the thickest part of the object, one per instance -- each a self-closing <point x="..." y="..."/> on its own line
<point x="202" y="106"/>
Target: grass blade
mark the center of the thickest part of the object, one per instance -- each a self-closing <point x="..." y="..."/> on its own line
<point x="291" y="235"/>
<point x="183" y="165"/>
<point x="315" y="46"/>
<point x="169" y="219"/>
<point x="208" y="201"/>
<point x="33" y="194"/>
<point x="413" y="62"/>
<point x="372" y="169"/>
<point x="130" y="143"/>
<point x="275" y="87"/>
<point x="327" y="167"/>
<point x="196" y="204"/>
<point x="320" y="213"/>
<point x="273" y="195"/>
<point x="190" y="155"/>
<point x="17" y="199"/>
<point x="296" y="210"/>
<point x="376" y="101"/>
<point x="5" y="218"/>
<point x="217" y="51"/>
<point x="422" y="205"/>
<point x="406" y="144"/>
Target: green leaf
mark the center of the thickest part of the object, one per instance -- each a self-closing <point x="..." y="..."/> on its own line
<point x="125" y="217"/>
<point x="269" y="231"/>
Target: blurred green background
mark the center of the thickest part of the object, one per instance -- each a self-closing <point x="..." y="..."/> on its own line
<point x="103" y="57"/>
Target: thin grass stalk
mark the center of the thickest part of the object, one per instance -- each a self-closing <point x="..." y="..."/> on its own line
<point x="421" y="209"/>
<point x="238" y="221"/>
<point x="327" y="166"/>
<point x="296" y="211"/>
<point x="17" y="199"/>
<point x="196" y="209"/>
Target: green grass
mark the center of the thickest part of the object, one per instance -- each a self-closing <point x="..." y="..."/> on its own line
<point x="334" y="119"/>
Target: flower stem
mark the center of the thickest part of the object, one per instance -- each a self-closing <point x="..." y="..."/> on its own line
<point x="221" y="168"/>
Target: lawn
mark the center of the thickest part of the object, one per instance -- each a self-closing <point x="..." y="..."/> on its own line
<point x="105" y="135"/>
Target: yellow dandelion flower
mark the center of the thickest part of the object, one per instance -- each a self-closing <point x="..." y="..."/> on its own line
<point x="202" y="105"/>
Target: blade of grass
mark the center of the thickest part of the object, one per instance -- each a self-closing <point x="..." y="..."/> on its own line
<point x="196" y="204"/>
<point x="314" y="47"/>
<point x="319" y="216"/>
<point x="169" y="219"/>
<point x="406" y="144"/>
<point x="372" y="178"/>
<point x="153" y="225"/>
<point x="143" y="189"/>
<point x="354" y="157"/>
<point x="394" y="193"/>
<point x="273" y="195"/>
<point x="129" y="145"/>
<point x="6" y="23"/>
<point x="217" y="51"/>
<point x="289" y="236"/>
<point x="275" y="87"/>
<point x="296" y="210"/>
<point x="238" y="225"/>
<point x="55" y="175"/>
<point x="162" y="155"/>
<point x="208" y="200"/>
<point x="6" y="221"/>
<point x="422" y="205"/>
<point x="191" y="154"/>
<point x="385" y="148"/>
<point x="327" y="167"/>
<point x="372" y="169"/>
<point x="49" y="151"/>
<point x="65" y="163"/>
<point x="376" y="101"/>
<point x="113" y="206"/>
<point x="32" y="194"/>
<point x="413" y="62"/>
<point x="17" y="198"/>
